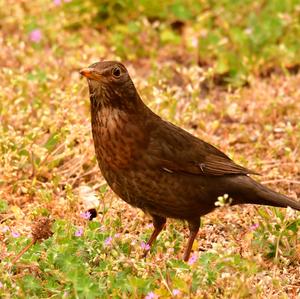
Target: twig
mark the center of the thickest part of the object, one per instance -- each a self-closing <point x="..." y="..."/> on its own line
<point x="6" y="218"/>
<point x="16" y="258"/>
<point x="41" y="230"/>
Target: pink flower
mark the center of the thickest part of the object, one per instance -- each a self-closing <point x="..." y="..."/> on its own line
<point x="1" y="285"/>
<point x="108" y="241"/>
<point x="176" y="292"/>
<point x="15" y="234"/>
<point x="79" y="232"/>
<point x="35" y="35"/>
<point x="4" y="229"/>
<point x="151" y="295"/>
<point x="145" y="246"/>
<point x="58" y="2"/>
<point x="85" y="215"/>
<point x="193" y="259"/>
<point x="254" y="226"/>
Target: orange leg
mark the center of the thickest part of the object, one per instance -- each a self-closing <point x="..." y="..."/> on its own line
<point x="194" y="228"/>
<point x="158" y="223"/>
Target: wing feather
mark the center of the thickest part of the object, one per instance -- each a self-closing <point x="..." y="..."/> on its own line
<point x="179" y="151"/>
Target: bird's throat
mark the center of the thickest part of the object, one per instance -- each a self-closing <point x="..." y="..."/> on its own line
<point x="116" y="138"/>
<point x="106" y="96"/>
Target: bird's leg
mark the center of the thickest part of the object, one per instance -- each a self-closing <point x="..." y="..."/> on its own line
<point x="194" y="228"/>
<point x="158" y="223"/>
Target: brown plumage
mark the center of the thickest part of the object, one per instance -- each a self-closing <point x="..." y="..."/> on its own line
<point x="157" y="166"/>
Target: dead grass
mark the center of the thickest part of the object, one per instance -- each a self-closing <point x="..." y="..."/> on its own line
<point x="46" y="149"/>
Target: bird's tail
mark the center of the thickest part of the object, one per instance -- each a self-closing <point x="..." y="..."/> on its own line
<point x="265" y="196"/>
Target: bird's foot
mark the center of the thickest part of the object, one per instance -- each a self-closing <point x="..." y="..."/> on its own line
<point x="146" y="248"/>
<point x="145" y="253"/>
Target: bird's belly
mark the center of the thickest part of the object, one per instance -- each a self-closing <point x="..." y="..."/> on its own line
<point x="160" y="193"/>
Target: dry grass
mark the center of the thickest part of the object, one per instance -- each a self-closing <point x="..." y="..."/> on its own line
<point x="46" y="154"/>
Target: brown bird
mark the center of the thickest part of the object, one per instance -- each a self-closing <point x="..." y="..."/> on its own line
<point x="158" y="167"/>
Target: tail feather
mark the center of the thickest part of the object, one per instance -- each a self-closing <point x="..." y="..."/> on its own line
<point x="275" y="199"/>
<point x="255" y="193"/>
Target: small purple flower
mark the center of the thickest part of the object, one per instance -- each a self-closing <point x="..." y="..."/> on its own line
<point x="15" y="234"/>
<point x="149" y="225"/>
<point x="254" y="226"/>
<point x="176" y="292"/>
<point x="59" y="2"/>
<point x="117" y="235"/>
<point x="193" y="259"/>
<point x="35" y="35"/>
<point x="151" y="295"/>
<point x="4" y="229"/>
<point x="85" y="215"/>
<point x="79" y="232"/>
<point x="108" y="241"/>
<point x="145" y="246"/>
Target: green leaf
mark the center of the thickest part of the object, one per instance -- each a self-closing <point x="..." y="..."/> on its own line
<point x="52" y="141"/>
<point x="3" y="206"/>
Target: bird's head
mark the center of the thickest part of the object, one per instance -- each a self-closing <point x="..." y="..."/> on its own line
<point x="110" y="84"/>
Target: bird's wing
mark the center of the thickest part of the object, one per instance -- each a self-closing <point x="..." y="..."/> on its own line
<point x="175" y="150"/>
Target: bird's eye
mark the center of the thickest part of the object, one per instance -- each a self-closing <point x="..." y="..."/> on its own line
<point x="116" y="72"/>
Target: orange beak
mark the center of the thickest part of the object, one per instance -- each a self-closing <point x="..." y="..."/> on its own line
<point x="91" y="73"/>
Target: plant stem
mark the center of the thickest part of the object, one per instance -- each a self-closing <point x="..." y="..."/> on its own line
<point x="23" y="251"/>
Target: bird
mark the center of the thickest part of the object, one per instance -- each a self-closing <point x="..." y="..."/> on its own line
<point x="157" y="166"/>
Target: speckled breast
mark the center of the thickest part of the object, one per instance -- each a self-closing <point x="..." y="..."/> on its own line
<point x="118" y="144"/>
